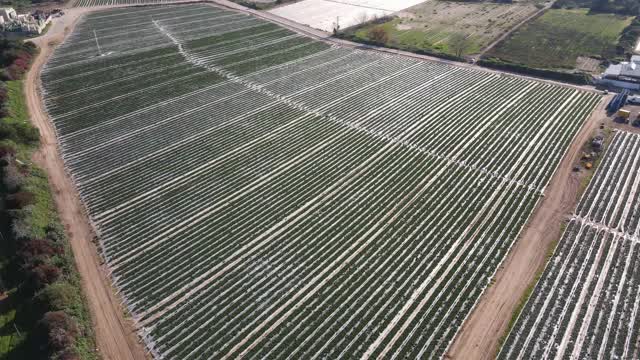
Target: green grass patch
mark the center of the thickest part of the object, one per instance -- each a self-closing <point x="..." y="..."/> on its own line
<point x="557" y="38"/>
<point x="11" y="340"/>
<point x="428" y="40"/>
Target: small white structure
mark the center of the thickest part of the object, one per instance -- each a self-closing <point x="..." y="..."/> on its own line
<point x="8" y="14"/>
<point x="625" y="75"/>
<point x="23" y="23"/>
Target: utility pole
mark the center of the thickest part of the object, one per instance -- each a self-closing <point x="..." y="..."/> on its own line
<point x="97" y="44"/>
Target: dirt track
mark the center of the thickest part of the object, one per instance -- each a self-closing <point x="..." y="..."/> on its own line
<point x="479" y="336"/>
<point x="115" y="336"/>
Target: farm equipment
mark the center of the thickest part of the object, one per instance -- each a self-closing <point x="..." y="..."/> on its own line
<point x="597" y="143"/>
<point x="624" y="115"/>
<point x="617" y="102"/>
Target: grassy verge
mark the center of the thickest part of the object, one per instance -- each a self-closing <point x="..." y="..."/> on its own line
<point x="43" y="314"/>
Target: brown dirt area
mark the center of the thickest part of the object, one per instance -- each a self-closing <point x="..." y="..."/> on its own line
<point x="115" y="335"/>
<point x="480" y="334"/>
<point x="588" y="64"/>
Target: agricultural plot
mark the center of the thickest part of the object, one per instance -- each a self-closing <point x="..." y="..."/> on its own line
<point x="585" y="306"/>
<point x="92" y="3"/>
<point x="559" y="37"/>
<point x="433" y="24"/>
<point x="256" y="192"/>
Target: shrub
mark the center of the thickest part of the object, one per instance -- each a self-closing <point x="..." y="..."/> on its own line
<point x="570" y="77"/>
<point x="41" y="276"/>
<point x="57" y="296"/>
<point x="7" y="150"/>
<point x="57" y="331"/>
<point x="39" y="247"/>
<point x="378" y="35"/>
<point x="20" y="200"/>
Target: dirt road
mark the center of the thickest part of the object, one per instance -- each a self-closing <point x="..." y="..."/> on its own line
<point x="479" y="336"/>
<point x="115" y="335"/>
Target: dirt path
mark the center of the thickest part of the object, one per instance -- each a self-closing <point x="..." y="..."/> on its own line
<point x="115" y="335"/>
<point x="479" y="336"/>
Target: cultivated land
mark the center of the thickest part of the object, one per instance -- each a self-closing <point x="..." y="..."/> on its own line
<point x="324" y="14"/>
<point x="432" y="24"/>
<point x="586" y="304"/>
<point x="106" y="3"/>
<point x="560" y="36"/>
<point x="257" y="192"/>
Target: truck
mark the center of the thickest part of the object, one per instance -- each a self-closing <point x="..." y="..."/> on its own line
<point x="624" y="114"/>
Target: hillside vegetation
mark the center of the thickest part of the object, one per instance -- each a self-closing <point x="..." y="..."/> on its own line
<point x="42" y="311"/>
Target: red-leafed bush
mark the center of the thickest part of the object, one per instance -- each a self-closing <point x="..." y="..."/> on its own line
<point x="39" y="247"/>
<point x="43" y="275"/>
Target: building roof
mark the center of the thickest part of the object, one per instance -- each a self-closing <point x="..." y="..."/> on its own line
<point x="630" y="69"/>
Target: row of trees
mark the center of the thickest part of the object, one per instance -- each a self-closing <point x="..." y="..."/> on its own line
<point x="37" y="266"/>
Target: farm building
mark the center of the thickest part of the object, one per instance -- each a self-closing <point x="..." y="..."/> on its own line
<point x="34" y="23"/>
<point x="623" y="75"/>
<point x="7" y="14"/>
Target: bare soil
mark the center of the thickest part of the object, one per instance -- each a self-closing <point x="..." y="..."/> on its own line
<point x="480" y="334"/>
<point x="588" y="64"/>
<point x="115" y="335"/>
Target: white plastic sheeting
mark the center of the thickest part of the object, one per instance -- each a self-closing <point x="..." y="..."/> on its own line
<point x="324" y="14"/>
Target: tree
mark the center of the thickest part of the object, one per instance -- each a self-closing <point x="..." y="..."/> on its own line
<point x="600" y="5"/>
<point x="459" y="44"/>
<point x="379" y="35"/>
<point x="57" y="331"/>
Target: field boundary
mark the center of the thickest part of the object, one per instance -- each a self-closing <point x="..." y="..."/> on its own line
<point x="115" y="334"/>
<point x="479" y="336"/>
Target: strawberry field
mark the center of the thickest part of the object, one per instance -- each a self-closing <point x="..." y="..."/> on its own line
<point x="256" y="192"/>
<point x="585" y="306"/>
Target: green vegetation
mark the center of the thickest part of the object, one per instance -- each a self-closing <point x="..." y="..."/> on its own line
<point x="449" y="27"/>
<point x="623" y="7"/>
<point x="435" y="41"/>
<point x="382" y="32"/>
<point x="262" y="4"/>
<point x="42" y="312"/>
<point x="629" y="37"/>
<point x="559" y="37"/>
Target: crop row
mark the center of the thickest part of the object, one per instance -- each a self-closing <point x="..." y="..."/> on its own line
<point x="586" y="303"/>
<point x="258" y="193"/>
